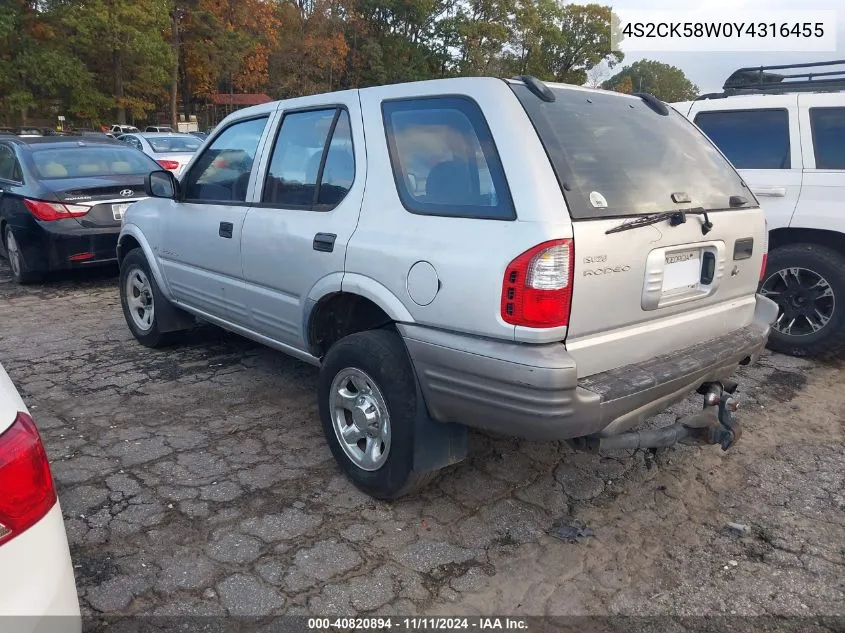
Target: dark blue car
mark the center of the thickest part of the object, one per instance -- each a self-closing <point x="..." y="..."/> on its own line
<point x="62" y="201"/>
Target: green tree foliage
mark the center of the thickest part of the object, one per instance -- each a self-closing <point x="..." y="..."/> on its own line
<point x="124" y="60"/>
<point x="665" y="82"/>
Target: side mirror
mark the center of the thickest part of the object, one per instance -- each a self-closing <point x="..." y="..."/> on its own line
<point x="161" y="184"/>
<point x="412" y="184"/>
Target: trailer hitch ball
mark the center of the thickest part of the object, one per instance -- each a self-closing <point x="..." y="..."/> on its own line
<point x="712" y="398"/>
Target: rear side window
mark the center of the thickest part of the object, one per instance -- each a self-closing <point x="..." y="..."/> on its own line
<point x="222" y="171"/>
<point x="751" y="139"/>
<point x="444" y="160"/>
<point x="828" y="125"/>
<point x="9" y="168"/>
<point x="615" y="156"/>
<point x="306" y="171"/>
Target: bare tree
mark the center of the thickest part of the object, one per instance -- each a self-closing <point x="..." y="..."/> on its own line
<point x="596" y="76"/>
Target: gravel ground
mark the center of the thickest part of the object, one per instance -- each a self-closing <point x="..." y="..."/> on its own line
<point x="195" y="480"/>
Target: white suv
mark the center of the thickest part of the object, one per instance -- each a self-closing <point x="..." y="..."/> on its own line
<point x="783" y="128"/>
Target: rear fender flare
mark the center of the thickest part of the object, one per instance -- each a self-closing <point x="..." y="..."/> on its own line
<point x="369" y="288"/>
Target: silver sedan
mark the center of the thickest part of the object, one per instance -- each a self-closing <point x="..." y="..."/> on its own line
<point x="170" y="150"/>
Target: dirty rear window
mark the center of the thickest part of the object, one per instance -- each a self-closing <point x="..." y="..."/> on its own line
<point x="615" y="156"/>
<point x="174" y="144"/>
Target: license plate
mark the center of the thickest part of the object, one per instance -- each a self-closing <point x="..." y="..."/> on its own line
<point x="118" y="210"/>
<point x="682" y="270"/>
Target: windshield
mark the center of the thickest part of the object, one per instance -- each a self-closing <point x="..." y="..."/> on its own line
<point x="171" y="144"/>
<point x="615" y="156"/>
<point x="89" y="162"/>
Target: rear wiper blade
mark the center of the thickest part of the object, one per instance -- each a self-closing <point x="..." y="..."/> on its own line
<point x="675" y="218"/>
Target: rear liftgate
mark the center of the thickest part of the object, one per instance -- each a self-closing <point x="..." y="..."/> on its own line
<point x="714" y="425"/>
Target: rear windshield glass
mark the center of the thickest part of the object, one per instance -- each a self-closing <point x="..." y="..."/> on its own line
<point x="615" y="156"/>
<point x="89" y="162"/>
<point x="165" y="144"/>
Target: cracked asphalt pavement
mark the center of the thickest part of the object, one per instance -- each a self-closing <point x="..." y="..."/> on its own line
<point x="195" y="480"/>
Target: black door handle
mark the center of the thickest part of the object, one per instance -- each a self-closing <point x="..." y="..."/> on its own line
<point x="324" y="242"/>
<point x="225" y="230"/>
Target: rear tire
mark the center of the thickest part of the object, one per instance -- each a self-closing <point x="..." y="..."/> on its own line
<point x="807" y="281"/>
<point x="139" y="296"/>
<point x="20" y="271"/>
<point x="367" y="380"/>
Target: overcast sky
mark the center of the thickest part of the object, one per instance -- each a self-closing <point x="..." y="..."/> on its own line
<point x="709" y="70"/>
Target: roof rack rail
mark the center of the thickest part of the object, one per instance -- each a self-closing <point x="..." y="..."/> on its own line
<point x="760" y="79"/>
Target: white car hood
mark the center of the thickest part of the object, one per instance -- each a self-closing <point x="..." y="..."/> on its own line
<point x="10" y="401"/>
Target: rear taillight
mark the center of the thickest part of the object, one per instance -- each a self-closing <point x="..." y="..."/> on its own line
<point x="26" y="486"/>
<point x="50" y="211"/>
<point x="765" y="253"/>
<point x="537" y="288"/>
<point x="169" y="164"/>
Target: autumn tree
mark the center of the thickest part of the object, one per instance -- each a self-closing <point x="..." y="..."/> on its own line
<point x="561" y="42"/>
<point x="138" y="57"/>
<point x="36" y="70"/>
<point x="122" y="42"/>
<point x="665" y="82"/>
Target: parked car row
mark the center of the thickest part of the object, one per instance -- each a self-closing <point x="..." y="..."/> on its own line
<point x="62" y="200"/>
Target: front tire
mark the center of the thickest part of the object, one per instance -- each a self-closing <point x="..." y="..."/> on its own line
<point x="368" y="407"/>
<point x="807" y="281"/>
<point x="139" y="296"/>
<point x="20" y="271"/>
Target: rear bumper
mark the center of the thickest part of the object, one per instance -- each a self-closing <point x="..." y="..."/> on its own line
<point x="533" y="391"/>
<point x="50" y="245"/>
<point x="37" y="587"/>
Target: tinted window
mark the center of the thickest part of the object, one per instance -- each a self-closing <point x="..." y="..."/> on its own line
<point x="297" y="156"/>
<point x="222" y="171"/>
<point x="615" y="156"/>
<point x="9" y="168"/>
<point x="751" y="139"/>
<point x="339" y="170"/>
<point x="89" y="162"/>
<point x="444" y="160"/>
<point x="165" y="144"/>
<point x="828" y="126"/>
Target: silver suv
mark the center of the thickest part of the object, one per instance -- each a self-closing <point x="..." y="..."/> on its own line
<point x="544" y="261"/>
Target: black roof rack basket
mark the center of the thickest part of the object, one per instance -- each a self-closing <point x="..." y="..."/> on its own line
<point x="786" y="78"/>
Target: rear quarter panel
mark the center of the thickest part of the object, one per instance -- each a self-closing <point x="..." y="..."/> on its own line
<point x="468" y="255"/>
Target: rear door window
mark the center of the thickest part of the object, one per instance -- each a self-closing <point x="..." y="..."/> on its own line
<point x="751" y="139"/>
<point x="615" y="156"/>
<point x="828" y="126"/>
<point x="9" y="168"/>
<point x="444" y="159"/>
<point x="222" y="171"/>
<point x="313" y="163"/>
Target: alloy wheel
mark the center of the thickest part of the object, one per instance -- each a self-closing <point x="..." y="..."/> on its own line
<point x="805" y="299"/>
